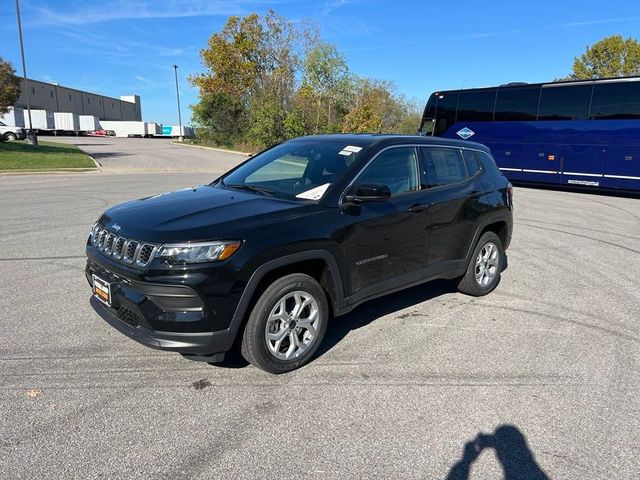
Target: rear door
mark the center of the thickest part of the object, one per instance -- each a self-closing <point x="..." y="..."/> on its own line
<point x="452" y="196"/>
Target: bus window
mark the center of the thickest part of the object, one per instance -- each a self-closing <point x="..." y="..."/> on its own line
<point x="430" y="109"/>
<point x="426" y="128"/>
<point x="476" y="105"/>
<point x="428" y="118"/>
<point x="565" y="102"/>
<point x="445" y="111"/>
<point x="517" y="104"/>
<point x="620" y="100"/>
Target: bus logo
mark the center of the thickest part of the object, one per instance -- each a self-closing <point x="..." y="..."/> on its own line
<point x="465" y="133"/>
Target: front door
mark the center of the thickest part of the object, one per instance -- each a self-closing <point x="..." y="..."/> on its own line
<point x="387" y="242"/>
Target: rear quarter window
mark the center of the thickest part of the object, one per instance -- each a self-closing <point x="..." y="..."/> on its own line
<point x="472" y="162"/>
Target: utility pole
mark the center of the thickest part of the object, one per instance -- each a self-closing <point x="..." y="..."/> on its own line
<point x="181" y="137"/>
<point x="31" y="137"/>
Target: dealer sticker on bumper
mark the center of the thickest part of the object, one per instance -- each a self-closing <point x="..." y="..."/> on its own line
<point x="102" y="290"/>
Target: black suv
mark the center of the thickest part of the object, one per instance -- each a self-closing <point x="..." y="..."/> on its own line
<point x="263" y="256"/>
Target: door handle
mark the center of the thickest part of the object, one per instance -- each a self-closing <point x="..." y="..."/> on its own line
<point x="418" y="207"/>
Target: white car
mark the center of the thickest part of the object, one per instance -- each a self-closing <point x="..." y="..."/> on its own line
<point x="10" y="133"/>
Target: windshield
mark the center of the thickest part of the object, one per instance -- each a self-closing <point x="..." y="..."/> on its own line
<point x="303" y="170"/>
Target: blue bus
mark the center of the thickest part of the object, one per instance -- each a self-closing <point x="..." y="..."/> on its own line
<point x="571" y="133"/>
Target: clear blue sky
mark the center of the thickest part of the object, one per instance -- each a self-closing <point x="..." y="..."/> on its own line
<point x="123" y="47"/>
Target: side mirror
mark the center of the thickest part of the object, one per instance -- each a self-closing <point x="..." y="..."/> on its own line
<point x="367" y="192"/>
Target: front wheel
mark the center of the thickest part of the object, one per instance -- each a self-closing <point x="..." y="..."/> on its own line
<point x="286" y="325"/>
<point x="11" y="137"/>
<point x="483" y="272"/>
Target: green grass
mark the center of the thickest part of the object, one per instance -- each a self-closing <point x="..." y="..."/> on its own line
<point x="16" y="156"/>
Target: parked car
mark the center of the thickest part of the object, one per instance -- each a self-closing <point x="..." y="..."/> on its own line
<point x="262" y="257"/>
<point x="10" y="133"/>
<point x="101" y="133"/>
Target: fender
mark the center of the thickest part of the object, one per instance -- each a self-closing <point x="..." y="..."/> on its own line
<point x="493" y="218"/>
<point x="335" y="289"/>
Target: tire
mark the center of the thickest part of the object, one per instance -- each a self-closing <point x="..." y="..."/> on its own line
<point x="10" y="137"/>
<point x="269" y="337"/>
<point x="484" y="269"/>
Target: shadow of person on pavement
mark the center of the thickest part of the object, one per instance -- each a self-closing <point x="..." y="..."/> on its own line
<point x="512" y="451"/>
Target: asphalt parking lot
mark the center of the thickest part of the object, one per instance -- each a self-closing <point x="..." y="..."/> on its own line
<point x="546" y="367"/>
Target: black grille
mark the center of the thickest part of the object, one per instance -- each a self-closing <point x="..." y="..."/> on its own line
<point x="130" y="252"/>
<point x="118" y="249"/>
<point x="108" y="243"/>
<point x="145" y="254"/>
<point x="132" y="318"/>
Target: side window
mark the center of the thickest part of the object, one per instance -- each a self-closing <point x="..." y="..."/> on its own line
<point x="615" y="101"/>
<point x="471" y="160"/>
<point x="443" y="166"/>
<point x="517" y="104"/>
<point x="565" y="102"/>
<point x="476" y="105"/>
<point x="397" y="168"/>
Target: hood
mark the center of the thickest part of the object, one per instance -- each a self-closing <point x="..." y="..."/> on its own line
<point x="197" y="214"/>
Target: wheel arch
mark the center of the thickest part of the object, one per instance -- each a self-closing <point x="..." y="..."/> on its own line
<point x="319" y="264"/>
<point x="499" y="225"/>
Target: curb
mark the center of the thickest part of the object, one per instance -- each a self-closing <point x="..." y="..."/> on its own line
<point x="211" y="148"/>
<point x="96" y="163"/>
<point x="47" y="171"/>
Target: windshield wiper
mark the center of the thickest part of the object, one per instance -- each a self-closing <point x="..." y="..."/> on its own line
<point x="253" y="188"/>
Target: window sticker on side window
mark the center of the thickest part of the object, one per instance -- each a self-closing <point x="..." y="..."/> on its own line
<point x="315" y="193"/>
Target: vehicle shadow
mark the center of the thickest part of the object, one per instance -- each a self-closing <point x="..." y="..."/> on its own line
<point x="361" y="316"/>
<point x="512" y="451"/>
<point x="372" y="310"/>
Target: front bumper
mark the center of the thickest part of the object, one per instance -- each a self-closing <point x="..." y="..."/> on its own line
<point x="160" y="316"/>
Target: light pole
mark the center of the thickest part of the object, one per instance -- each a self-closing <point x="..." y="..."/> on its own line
<point x="180" y="137"/>
<point x="31" y="137"/>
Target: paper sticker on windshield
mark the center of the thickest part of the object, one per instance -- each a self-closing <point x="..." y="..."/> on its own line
<point x="352" y="148"/>
<point x="349" y="149"/>
<point x="315" y="193"/>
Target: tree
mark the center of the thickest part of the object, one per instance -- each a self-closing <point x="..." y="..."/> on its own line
<point x="377" y="108"/>
<point x="251" y="70"/>
<point x="612" y="56"/>
<point x="326" y="75"/>
<point x="9" y="86"/>
<point x="220" y="117"/>
<point x="267" y="79"/>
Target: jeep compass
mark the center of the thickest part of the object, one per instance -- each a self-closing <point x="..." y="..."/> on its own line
<point x="306" y="230"/>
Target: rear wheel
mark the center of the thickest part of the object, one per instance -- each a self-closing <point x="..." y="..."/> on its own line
<point x="483" y="272"/>
<point x="286" y="325"/>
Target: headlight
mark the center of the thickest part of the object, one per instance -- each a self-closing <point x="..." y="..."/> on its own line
<point x="198" y="252"/>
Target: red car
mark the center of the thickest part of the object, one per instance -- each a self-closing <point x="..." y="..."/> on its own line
<point x="102" y="133"/>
